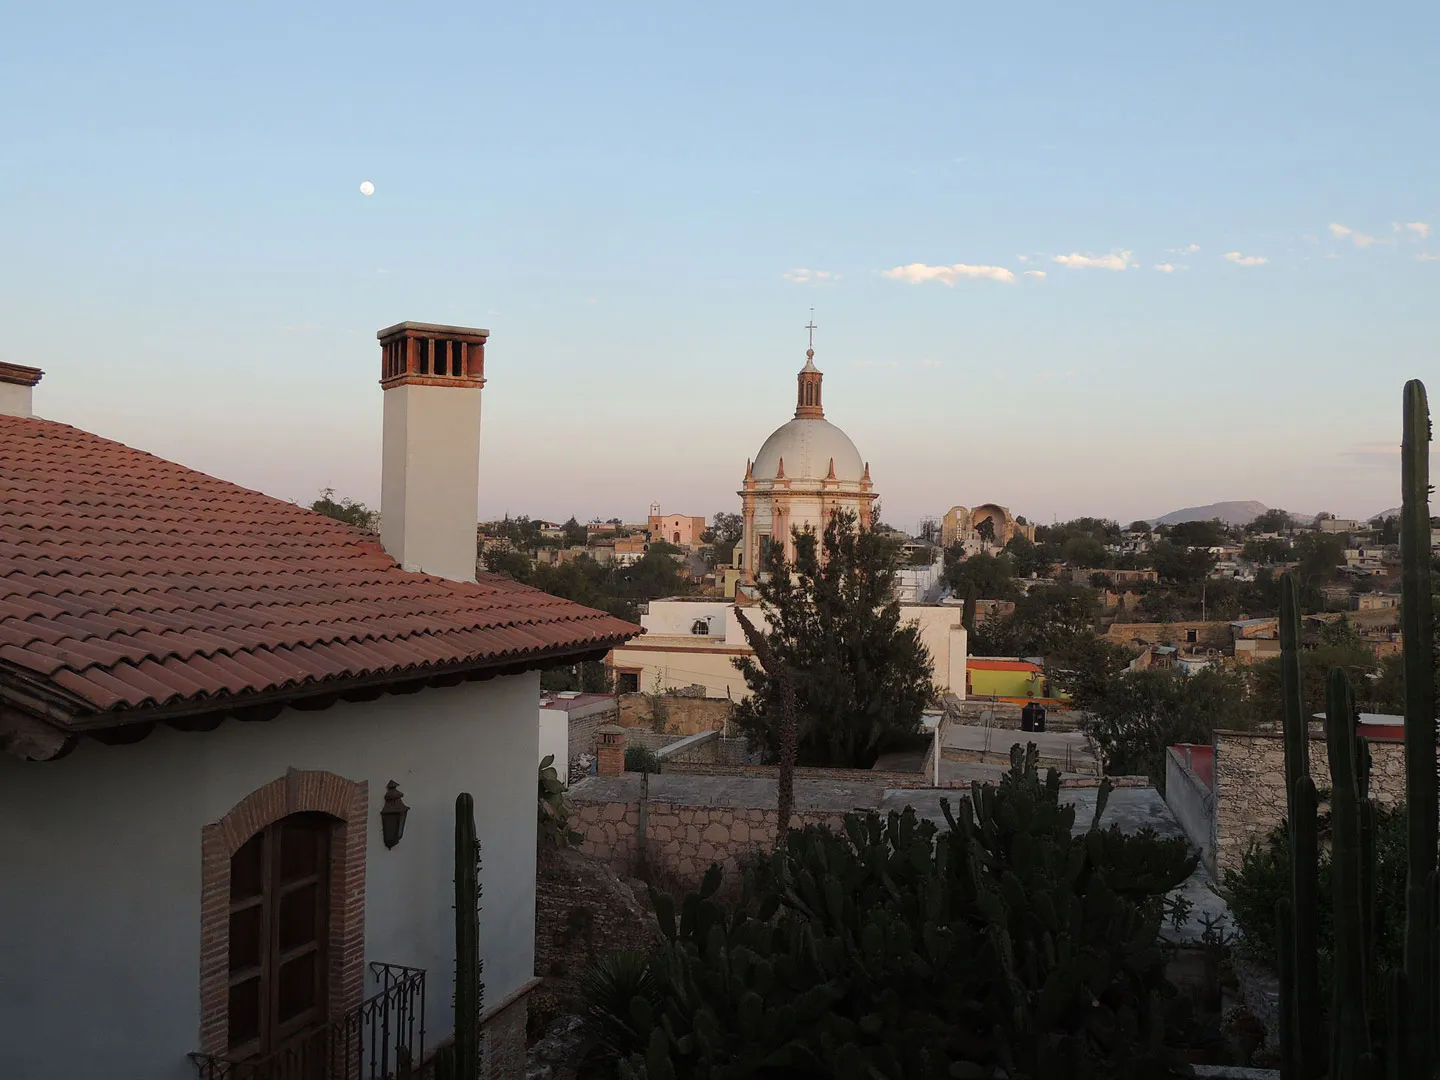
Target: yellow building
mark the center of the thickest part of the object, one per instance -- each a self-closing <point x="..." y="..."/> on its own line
<point x="999" y="678"/>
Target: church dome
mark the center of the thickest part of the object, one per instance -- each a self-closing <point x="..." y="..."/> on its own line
<point x="808" y="445"/>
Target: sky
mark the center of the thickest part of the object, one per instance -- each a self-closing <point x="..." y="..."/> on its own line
<point x="1107" y="259"/>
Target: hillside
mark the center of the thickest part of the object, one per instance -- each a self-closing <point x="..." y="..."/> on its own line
<point x="1232" y="513"/>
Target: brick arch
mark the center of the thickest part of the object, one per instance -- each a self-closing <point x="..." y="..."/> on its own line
<point x="298" y="791"/>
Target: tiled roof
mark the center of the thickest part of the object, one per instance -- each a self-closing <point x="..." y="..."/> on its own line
<point x="128" y="582"/>
<point x="1002" y="665"/>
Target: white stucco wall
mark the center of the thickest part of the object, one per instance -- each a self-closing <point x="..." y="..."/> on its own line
<point x="945" y="637"/>
<point x="15" y="400"/>
<point x="100" y="867"/>
<point x="555" y="738"/>
<point x="430" y="478"/>
<point x="678" y="616"/>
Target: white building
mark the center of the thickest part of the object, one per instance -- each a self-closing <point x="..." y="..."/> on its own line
<point x="205" y="694"/>
<point x="695" y="643"/>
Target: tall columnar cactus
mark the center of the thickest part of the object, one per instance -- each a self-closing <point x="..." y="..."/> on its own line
<point x="1422" y="804"/>
<point x="469" y="991"/>
<point x="1349" y="1011"/>
<point x="1413" y="992"/>
<point x="1301" y="1026"/>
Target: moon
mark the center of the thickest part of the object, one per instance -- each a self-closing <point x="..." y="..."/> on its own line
<point x="367" y="188"/>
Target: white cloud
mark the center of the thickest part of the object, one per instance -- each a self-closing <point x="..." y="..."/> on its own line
<point x="805" y="276"/>
<point x="1023" y="258"/>
<point x="1425" y="256"/>
<point x="1419" y="228"/>
<point x="1360" y="239"/>
<point x="919" y="273"/>
<point x="1165" y="268"/>
<point x="929" y="363"/>
<point x="1038" y="275"/>
<point x="1116" y="260"/>
<point x="1246" y="260"/>
<point x="1188" y="249"/>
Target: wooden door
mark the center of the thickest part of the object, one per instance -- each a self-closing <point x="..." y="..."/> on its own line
<point x="279" y="925"/>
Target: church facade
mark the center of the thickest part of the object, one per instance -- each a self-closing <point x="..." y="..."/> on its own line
<point x="805" y="472"/>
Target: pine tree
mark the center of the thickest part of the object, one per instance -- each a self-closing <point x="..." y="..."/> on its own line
<point x="861" y="676"/>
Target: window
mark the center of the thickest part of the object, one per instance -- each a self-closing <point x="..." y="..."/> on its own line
<point x="627" y="682"/>
<point x="279" y="924"/>
<point x="1192" y="635"/>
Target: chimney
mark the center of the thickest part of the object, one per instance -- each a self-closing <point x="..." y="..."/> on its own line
<point x="16" y="385"/>
<point x="430" y="467"/>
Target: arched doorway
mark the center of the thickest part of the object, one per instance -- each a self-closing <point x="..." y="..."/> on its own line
<point x="279" y="930"/>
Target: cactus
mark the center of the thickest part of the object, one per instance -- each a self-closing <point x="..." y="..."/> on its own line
<point x="1301" y="1005"/>
<point x="967" y="614"/>
<point x="1350" y="1015"/>
<point x="469" y="991"/>
<point x="1412" y="992"/>
<point x="1423" y="809"/>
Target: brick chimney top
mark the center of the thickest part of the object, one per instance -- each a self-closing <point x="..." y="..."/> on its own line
<point x="428" y="354"/>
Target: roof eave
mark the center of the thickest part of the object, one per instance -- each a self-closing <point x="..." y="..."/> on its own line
<point x="70" y="716"/>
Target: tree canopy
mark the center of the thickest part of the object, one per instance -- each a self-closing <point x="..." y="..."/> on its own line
<point x="347" y="510"/>
<point x="1135" y="715"/>
<point x="861" y="677"/>
<point x="992" y="577"/>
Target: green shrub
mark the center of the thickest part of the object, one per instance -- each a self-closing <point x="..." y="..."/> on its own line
<point x="1001" y="946"/>
<point x="1264" y="877"/>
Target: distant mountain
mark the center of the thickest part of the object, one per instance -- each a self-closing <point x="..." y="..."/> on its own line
<point x="1394" y="511"/>
<point x="1232" y="513"/>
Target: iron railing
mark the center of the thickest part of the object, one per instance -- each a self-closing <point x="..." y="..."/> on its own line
<point x="382" y="1038"/>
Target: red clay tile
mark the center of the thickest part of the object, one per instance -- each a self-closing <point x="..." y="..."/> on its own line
<point x="128" y="582"/>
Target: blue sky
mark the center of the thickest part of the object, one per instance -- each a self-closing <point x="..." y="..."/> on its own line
<point x="642" y="202"/>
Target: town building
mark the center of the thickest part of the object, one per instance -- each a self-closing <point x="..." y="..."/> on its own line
<point x="681" y="530"/>
<point x="963" y="525"/>
<point x="694" y="642"/>
<point x="805" y="472"/>
<point x="232" y="734"/>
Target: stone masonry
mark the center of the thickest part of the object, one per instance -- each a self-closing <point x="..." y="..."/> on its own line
<point x="1250" y="786"/>
<point x="674" y="714"/>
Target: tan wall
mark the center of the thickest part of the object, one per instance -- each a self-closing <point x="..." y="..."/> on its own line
<point x="1214" y="635"/>
<point x="680" y="666"/>
<point x="674" y="715"/>
<point x="1250" y="786"/>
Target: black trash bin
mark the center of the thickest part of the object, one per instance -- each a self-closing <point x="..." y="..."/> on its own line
<point x="1032" y="717"/>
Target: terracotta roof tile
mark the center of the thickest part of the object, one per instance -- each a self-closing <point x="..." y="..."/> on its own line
<point x="128" y="582"/>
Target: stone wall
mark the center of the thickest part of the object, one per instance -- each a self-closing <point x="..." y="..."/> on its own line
<point x="674" y="714"/>
<point x="682" y="841"/>
<point x="1250" y="786"/>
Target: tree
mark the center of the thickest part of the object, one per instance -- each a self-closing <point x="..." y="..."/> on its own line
<point x="1026" y="556"/>
<point x="1276" y="521"/>
<point x="575" y="534"/>
<point x="504" y="559"/>
<point x="1179" y="565"/>
<point x="1085" y="552"/>
<point x="346" y="510"/>
<point x="991" y="576"/>
<point x="1319" y="556"/>
<point x="1084" y="666"/>
<point x="1198" y="533"/>
<point x="1315" y="666"/>
<point x="1274" y="550"/>
<point x="1139" y="713"/>
<point x="861" y="676"/>
<point x="986" y="530"/>
<point x="725" y="530"/>
<point x="1049" y="619"/>
<point x="1139" y="526"/>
